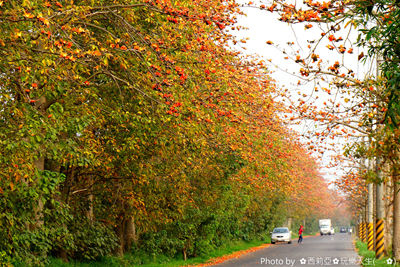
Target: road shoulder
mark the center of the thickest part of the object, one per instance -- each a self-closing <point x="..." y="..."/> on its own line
<point x="238" y="254"/>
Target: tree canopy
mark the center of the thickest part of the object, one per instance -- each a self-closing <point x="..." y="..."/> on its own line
<point x="135" y="122"/>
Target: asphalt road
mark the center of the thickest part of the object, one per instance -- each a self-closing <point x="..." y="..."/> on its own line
<point x="335" y="250"/>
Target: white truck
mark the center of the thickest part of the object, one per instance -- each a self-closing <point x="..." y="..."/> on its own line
<point x="325" y="227"/>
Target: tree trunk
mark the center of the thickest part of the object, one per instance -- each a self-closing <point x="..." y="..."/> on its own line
<point x="184" y="254"/>
<point x="129" y="233"/>
<point x="54" y="166"/>
<point x="389" y="193"/>
<point x="289" y="223"/>
<point x="38" y="210"/>
<point x="41" y="105"/>
<point x="62" y="254"/>
<point x="126" y="233"/>
<point x="89" y="212"/>
<point x="380" y="212"/>
<point x="119" y="250"/>
<point x="66" y="186"/>
<point x="396" y="215"/>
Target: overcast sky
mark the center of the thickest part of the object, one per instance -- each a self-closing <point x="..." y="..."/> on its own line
<point x="264" y="26"/>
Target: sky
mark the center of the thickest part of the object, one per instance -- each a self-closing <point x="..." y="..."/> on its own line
<point x="263" y="26"/>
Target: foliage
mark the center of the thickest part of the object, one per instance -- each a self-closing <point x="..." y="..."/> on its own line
<point x="134" y="125"/>
<point x="21" y="240"/>
<point x="346" y="104"/>
<point x="92" y="241"/>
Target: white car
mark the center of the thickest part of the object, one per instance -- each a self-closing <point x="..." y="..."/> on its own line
<point x="281" y="234"/>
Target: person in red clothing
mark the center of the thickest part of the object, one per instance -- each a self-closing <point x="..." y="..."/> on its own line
<point x="300" y="234"/>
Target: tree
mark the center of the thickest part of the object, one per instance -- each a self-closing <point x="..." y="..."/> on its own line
<point x="128" y="122"/>
<point x="375" y="98"/>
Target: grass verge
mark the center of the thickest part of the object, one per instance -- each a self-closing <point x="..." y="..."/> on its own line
<point x="141" y="259"/>
<point x="369" y="256"/>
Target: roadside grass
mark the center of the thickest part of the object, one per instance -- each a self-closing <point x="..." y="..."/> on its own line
<point x="369" y="256"/>
<point x="142" y="259"/>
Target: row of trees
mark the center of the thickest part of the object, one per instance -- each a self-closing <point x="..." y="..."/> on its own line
<point x="135" y="124"/>
<point x="364" y="111"/>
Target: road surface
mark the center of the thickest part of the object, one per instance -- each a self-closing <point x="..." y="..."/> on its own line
<point x="335" y="250"/>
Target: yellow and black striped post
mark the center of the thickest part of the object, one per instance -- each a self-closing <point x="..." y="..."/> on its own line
<point x="380" y="244"/>
<point x="359" y="230"/>
<point x="364" y="232"/>
<point x="370" y="238"/>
